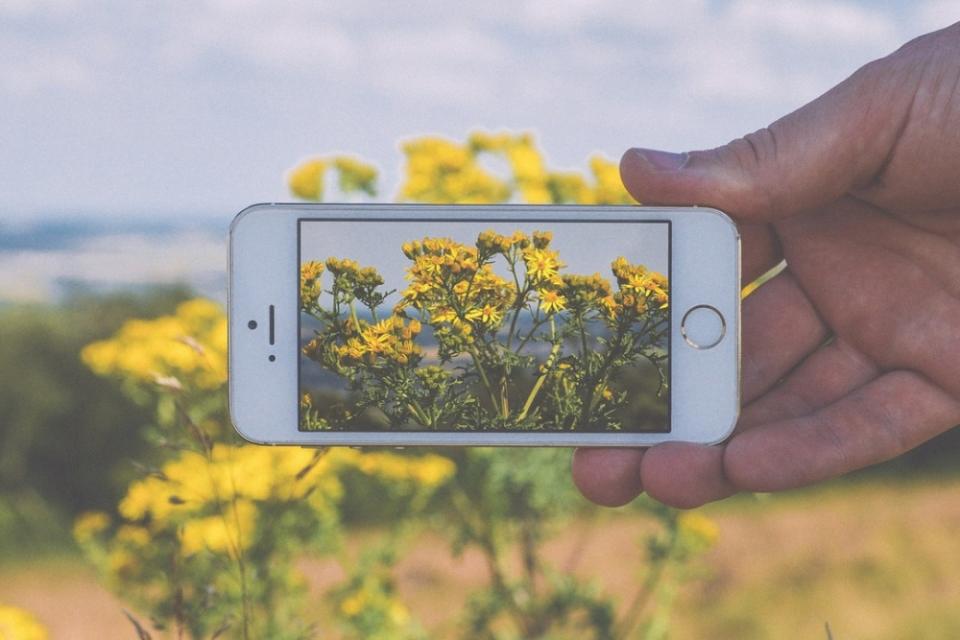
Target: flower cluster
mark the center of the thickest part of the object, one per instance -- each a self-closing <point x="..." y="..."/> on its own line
<point x="211" y="502"/>
<point x="186" y="348"/>
<point x="455" y="290"/>
<point x="388" y="341"/>
<point x="248" y="508"/>
<point x="640" y="288"/>
<point x="538" y="185"/>
<point x="191" y="529"/>
<point x="440" y="170"/>
<point x="310" y="285"/>
<point x="307" y="180"/>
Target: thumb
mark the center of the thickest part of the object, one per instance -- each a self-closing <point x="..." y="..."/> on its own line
<point x="836" y="143"/>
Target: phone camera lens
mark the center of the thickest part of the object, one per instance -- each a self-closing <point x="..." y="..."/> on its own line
<point x="272" y="358"/>
<point x="252" y="324"/>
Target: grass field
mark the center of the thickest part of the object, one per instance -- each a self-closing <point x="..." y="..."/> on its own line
<point x="874" y="558"/>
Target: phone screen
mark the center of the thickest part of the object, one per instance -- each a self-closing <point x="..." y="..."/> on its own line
<point x="484" y="325"/>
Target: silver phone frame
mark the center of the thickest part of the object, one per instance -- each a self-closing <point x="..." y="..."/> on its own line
<point x="263" y="271"/>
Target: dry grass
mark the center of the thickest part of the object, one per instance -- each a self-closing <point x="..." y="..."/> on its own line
<point x="874" y="559"/>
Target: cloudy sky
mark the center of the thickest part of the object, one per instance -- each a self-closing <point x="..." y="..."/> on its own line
<point x="197" y="107"/>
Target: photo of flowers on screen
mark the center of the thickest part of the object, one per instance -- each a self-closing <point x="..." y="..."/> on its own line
<point x="493" y="335"/>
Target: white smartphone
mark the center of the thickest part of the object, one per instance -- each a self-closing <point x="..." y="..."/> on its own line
<point x="363" y="324"/>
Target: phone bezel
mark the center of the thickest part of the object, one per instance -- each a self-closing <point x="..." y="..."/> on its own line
<point x="263" y="271"/>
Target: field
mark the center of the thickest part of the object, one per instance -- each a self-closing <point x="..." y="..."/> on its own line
<point x="874" y="558"/>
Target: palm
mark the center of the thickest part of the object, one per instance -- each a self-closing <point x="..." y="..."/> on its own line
<point x="856" y="340"/>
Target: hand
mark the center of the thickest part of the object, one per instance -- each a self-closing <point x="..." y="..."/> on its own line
<point x="851" y="356"/>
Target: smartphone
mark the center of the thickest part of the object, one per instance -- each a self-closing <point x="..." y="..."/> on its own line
<point x="390" y="324"/>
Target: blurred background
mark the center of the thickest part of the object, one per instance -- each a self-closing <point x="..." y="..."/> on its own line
<point x="133" y="132"/>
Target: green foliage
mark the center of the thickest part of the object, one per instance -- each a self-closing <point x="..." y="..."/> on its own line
<point x="64" y="434"/>
<point x="367" y="602"/>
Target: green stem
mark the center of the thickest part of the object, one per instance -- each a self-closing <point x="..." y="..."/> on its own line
<point x="483" y="376"/>
<point x="547" y="366"/>
<point x="419" y="413"/>
<point x="642" y="597"/>
<point x="602" y="374"/>
<point x="536" y="325"/>
<point x="583" y="336"/>
<point x="353" y="314"/>
<point x="518" y="303"/>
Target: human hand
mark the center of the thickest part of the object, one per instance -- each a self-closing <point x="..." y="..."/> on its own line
<point x="851" y="356"/>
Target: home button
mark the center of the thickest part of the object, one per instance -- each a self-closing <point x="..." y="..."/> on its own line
<point x="703" y="327"/>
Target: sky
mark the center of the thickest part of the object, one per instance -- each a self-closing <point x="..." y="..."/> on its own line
<point x="195" y="108"/>
<point x="378" y="244"/>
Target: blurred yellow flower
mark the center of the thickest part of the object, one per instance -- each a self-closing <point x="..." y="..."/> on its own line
<point x="89" y="524"/>
<point x="230" y="532"/>
<point x="697" y="531"/>
<point x="17" y="624"/>
<point x="442" y="171"/>
<point x="306" y="180"/>
<point x="190" y="346"/>
<point x="353" y="605"/>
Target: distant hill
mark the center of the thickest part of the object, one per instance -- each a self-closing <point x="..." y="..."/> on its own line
<point x="45" y="260"/>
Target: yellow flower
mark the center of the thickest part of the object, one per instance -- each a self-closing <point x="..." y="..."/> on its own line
<point x="488" y="315"/>
<point x="542" y="264"/>
<point x="310" y="287"/>
<point x="444" y="314"/>
<point x="133" y="535"/>
<point x="88" y="525"/>
<point x="355" y="175"/>
<point x="353" y="605"/>
<point x="229" y="533"/>
<point x="190" y="346"/>
<point x="399" y="614"/>
<point x="443" y="171"/>
<point x="697" y="531"/>
<point x="609" y="187"/>
<point x="122" y="562"/>
<point x="552" y="301"/>
<point x="306" y="181"/>
<point x="17" y="624"/>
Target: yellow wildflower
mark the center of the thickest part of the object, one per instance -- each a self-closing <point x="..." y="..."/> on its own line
<point x="488" y="315"/>
<point x="88" y="525"/>
<point x="542" y="264"/>
<point x="353" y="605"/>
<point x="133" y="535"/>
<point x="190" y="346"/>
<point x="552" y="301"/>
<point x="697" y="531"/>
<point x="17" y="624"/>
<point x="230" y="533"/>
<point x="306" y="181"/>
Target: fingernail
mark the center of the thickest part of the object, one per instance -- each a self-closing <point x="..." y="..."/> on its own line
<point x="662" y="160"/>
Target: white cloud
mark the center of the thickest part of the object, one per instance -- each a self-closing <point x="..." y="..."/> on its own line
<point x="31" y="64"/>
<point x="811" y="22"/>
<point x="649" y="16"/>
<point x="273" y="40"/>
<point x="937" y="14"/>
<point x="270" y="80"/>
<point x="24" y="8"/>
<point x="28" y="74"/>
